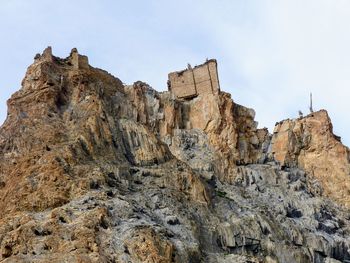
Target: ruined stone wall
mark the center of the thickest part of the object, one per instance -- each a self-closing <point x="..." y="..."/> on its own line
<point x="75" y="59"/>
<point x="79" y="61"/>
<point x="182" y="84"/>
<point x="202" y="79"/>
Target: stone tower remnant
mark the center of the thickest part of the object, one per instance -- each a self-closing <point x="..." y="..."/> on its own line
<point x="191" y="82"/>
<point x="79" y="61"/>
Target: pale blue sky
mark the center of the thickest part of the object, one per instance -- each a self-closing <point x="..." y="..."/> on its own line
<point x="271" y="53"/>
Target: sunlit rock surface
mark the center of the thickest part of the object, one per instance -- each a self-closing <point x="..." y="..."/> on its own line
<point x="92" y="170"/>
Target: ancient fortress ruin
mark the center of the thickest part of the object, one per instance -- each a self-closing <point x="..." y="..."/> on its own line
<point x="184" y="84"/>
<point x="75" y="59"/>
<point x="92" y="170"/>
<point x="191" y="82"/>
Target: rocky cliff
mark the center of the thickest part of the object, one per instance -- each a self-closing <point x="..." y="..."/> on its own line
<point x="92" y="170"/>
<point x="310" y="144"/>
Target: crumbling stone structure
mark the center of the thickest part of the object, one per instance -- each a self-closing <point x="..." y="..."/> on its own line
<point x="191" y="82"/>
<point x="76" y="60"/>
<point x="79" y="61"/>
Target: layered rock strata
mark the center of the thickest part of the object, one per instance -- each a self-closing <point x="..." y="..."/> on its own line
<point x="92" y="170"/>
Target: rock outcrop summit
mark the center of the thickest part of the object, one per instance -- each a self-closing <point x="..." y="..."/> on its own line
<point x="92" y="170"/>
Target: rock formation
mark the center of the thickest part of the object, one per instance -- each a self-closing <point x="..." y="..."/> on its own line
<point x="310" y="144"/>
<point x="92" y="170"/>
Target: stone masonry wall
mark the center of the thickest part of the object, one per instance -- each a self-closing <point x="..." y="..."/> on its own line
<point x="202" y="79"/>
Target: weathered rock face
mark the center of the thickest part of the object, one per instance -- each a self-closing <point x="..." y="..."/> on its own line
<point x="95" y="171"/>
<point x="229" y="128"/>
<point x="71" y="130"/>
<point x="310" y="144"/>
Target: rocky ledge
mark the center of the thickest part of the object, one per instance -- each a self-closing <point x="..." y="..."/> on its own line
<point x="92" y="170"/>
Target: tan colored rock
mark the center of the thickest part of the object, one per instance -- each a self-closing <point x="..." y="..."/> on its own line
<point x="310" y="144"/>
<point x="71" y="133"/>
<point x="92" y="170"/>
<point x="144" y="147"/>
<point x="231" y="129"/>
<point x="146" y="246"/>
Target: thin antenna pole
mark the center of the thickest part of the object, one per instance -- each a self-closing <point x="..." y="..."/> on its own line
<point x="311" y="109"/>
